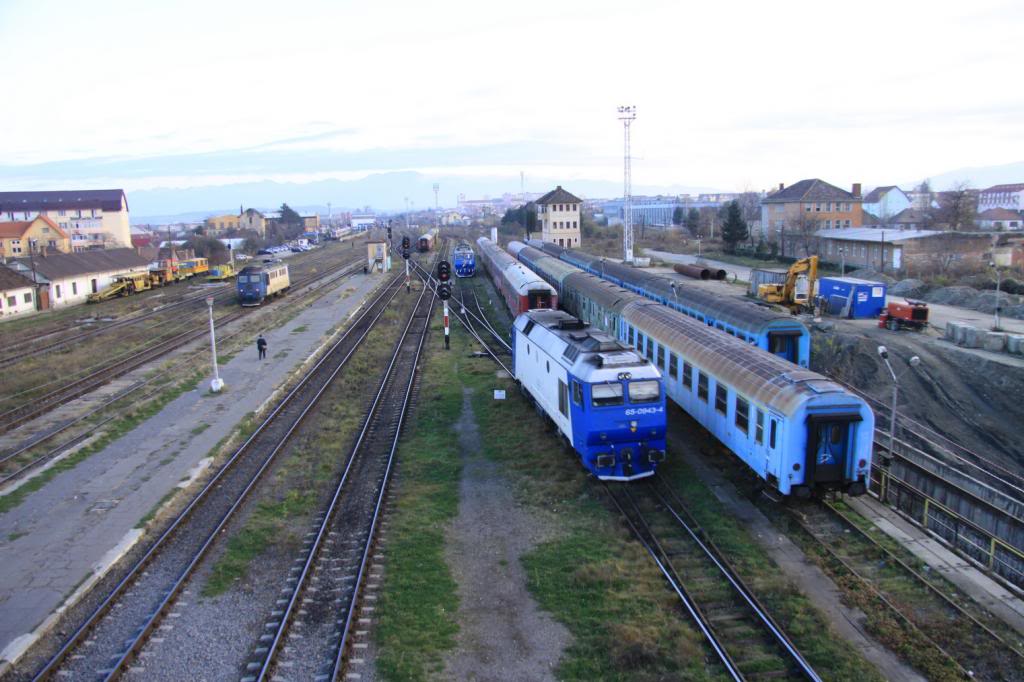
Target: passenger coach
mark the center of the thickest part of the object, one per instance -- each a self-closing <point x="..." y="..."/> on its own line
<point x="780" y="334"/>
<point x="798" y="431"/>
<point x="256" y="283"/>
<point x="604" y="398"/>
<point x="521" y="288"/>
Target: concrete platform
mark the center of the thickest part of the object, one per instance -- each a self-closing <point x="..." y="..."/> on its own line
<point x="65" y="535"/>
<point x="1003" y="603"/>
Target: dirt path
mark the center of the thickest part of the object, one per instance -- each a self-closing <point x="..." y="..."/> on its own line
<point x="503" y="634"/>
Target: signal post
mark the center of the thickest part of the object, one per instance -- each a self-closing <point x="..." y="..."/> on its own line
<point x="405" y="255"/>
<point x="444" y="292"/>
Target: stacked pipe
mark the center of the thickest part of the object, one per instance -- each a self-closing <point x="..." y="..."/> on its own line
<point x="698" y="271"/>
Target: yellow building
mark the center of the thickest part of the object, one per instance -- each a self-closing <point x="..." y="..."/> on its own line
<point x="91" y="218"/>
<point x="558" y="217"/>
<point x="16" y="236"/>
<point x="254" y="221"/>
<point x="310" y="221"/>
<point x="221" y="223"/>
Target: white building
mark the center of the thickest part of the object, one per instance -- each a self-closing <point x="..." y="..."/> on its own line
<point x="1010" y="197"/>
<point x="15" y="293"/>
<point x="558" y="217"/>
<point x="886" y="202"/>
<point x="93" y="218"/>
<point x="363" y="221"/>
<point x="68" y="278"/>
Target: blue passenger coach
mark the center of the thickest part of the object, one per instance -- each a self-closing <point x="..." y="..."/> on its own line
<point x="780" y="334"/>
<point x="256" y="283"/>
<point x="605" y="398"/>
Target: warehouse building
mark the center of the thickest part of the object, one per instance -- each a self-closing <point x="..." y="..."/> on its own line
<point x="68" y="278"/>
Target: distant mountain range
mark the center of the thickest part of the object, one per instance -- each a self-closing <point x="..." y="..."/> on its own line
<point x="978" y="178"/>
<point x="377" y="191"/>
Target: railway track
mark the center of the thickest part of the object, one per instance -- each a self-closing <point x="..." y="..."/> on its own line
<point x="748" y="643"/>
<point x="98" y="377"/>
<point x="335" y="558"/>
<point x="114" y="631"/>
<point x="956" y="627"/>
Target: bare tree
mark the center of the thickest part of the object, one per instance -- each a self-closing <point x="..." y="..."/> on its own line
<point x="959" y="206"/>
<point x="800" y="231"/>
<point x="750" y="209"/>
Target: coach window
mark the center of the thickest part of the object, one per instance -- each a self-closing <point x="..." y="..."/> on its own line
<point x="650" y="349"/>
<point x="603" y="395"/>
<point x="661" y="357"/>
<point x="771" y="433"/>
<point x="702" y="385"/>
<point x="759" y="428"/>
<point x="629" y="334"/>
<point x="673" y="366"/>
<point x="687" y="375"/>
<point x="742" y="414"/>
<point x="577" y="393"/>
<point x="563" y="398"/>
<point x="721" y="398"/>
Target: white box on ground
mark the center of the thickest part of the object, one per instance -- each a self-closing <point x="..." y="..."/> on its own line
<point x="499" y="394"/>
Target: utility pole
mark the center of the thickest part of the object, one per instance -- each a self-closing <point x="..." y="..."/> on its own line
<point x="999" y="283"/>
<point x="627" y="115"/>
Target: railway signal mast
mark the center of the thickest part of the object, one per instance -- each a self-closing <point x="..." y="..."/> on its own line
<point x="405" y="255"/>
<point x="627" y="115"/>
<point x="444" y="292"/>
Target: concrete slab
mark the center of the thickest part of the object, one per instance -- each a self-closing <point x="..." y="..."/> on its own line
<point x="994" y="341"/>
<point x="1003" y="603"/>
<point x="57" y="538"/>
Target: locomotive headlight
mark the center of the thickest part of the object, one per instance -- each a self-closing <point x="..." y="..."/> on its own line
<point x="632" y="426"/>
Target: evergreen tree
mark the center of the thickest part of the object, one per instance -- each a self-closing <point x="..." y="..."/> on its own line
<point x="734" y="230"/>
<point x="693" y="220"/>
<point x="677" y="215"/>
<point x="289" y="216"/>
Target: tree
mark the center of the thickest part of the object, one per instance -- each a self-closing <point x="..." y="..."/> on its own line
<point x="734" y="229"/>
<point x="693" y="221"/>
<point x="677" y="215"/>
<point x="959" y="206"/>
<point x="800" y="231"/>
<point x="289" y="216"/>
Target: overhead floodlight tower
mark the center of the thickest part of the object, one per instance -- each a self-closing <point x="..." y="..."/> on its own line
<point x="627" y="115"/>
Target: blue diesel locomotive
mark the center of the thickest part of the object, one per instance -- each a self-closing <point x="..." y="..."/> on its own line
<point x="256" y="283"/>
<point x="778" y="333"/>
<point x="464" y="260"/>
<point x="603" y="397"/>
<point x="799" y="432"/>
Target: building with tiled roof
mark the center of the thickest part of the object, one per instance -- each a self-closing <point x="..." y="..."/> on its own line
<point x="1009" y="196"/>
<point x="92" y="219"/>
<point x="558" y="217"/>
<point x="16" y="293"/>
<point x="999" y="219"/>
<point x="68" y="278"/>
<point x="807" y="206"/>
<point x="18" y="236"/>
<point x="885" y="202"/>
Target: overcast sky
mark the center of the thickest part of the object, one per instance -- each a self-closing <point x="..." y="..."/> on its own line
<point x="732" y="95"/>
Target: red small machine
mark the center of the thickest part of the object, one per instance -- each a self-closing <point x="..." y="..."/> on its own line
<point x="909" y="315"/>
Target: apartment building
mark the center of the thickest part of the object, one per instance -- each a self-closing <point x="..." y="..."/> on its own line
<point x="558" y="217"/>
<point x="219" y="224"/>
<point x="253" y="220"/>
<point x="1010" y="197"/>
<point x="810" y="205"/>
<point x="92" y="218"/>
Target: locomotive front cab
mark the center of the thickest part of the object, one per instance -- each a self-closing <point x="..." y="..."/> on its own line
<point x="623" y="425"/>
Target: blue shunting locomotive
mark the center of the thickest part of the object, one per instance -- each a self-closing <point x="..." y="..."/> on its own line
<point x="604" y="397"/>
<point x="464" y="260"/>
<point x="256" y="283"/>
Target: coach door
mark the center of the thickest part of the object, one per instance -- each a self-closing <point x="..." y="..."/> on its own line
<point x="828" y="443"/>
<point x="539" y="299"/>
<point x="784" y="344"/>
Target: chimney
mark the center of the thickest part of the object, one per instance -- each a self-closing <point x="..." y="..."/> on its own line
<point x="856" y="189"/>
<point x="782" y="186"/>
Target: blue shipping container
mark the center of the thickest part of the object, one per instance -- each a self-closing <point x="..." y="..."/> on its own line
<point x="858" y="297"/>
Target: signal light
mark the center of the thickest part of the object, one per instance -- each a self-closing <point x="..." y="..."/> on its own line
<point x="444" y="271"/>
<point x="405" y="243"/>
<point x="444" y="291"/>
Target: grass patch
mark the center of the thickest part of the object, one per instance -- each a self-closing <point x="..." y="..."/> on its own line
<point x="300" y="329"/>
<point x="199" y="429"/>
<point x="264" y="528"/>
<point x="113" y="431"/>
<point x="16" y="534"/>
<point x="151" y="514"/>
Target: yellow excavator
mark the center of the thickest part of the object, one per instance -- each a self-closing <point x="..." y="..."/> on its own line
<point x="798" y="291"/>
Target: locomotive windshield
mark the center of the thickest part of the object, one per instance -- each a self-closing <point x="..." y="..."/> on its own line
<point x="644" y="391"/>
<point x="603" y="395"/>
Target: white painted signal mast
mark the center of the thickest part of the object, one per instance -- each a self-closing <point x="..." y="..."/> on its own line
<point x="627" y="115"/>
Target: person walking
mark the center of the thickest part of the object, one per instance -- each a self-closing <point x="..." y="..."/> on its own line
<point x="261" y="346"/>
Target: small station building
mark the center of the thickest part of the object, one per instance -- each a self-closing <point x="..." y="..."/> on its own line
<point x="378" y="258"/>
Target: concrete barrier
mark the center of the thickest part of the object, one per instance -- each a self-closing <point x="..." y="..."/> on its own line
<point x="994" y="341"/>
<point x="1015" y="344"/>
<point x="951" y="328"/>
<point x="973" y="337"/>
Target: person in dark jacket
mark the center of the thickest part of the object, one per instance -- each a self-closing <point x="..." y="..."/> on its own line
<point x="261" y="346"/>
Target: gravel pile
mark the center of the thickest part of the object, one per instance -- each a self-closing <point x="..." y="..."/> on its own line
<point x="982" y="301"/>
<point x="965" y="297"/>
<point x="913" y="288"/>
<point x="871" y="275"/>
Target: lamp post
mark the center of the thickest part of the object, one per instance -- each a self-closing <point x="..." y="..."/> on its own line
<point x="217" y="383"/>
<point x="999" y="282"/>
<point x="842" y="257"/>
<point x="698" y="247"/>
<point x="913" y="362"/>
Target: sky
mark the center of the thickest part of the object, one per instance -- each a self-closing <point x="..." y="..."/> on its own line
<point x="730" y="95"/>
